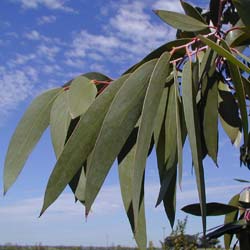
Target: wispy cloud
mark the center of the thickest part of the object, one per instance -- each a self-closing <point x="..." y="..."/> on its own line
<point x="46" y="20"/>
<point x="50" y="4"/>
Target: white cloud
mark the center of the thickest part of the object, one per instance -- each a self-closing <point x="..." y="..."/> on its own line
<point x="16" y="85"/>
<point x="168" y="5"/>
<point x="48" y="51"/>
<point x="50" y="4"/>
<point x="46" y="19"/>
<point x="33" y="35"/>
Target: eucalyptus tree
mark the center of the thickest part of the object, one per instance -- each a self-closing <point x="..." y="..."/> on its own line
<point x="182" y="89"/>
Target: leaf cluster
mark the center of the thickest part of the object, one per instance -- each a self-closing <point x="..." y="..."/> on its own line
<point x="181" y="90"/>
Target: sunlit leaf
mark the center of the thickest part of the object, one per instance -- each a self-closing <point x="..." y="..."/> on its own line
<point x="27" y="134"/>
<point x="150" y="107"/>
<point x="81" y="95"/>
<point x="119" y="122"/>
<point x="192" y="123"/>
<point x="231" y="217"/>
<point x="240" y="95"/>
<point x="229" y="115"/>
<point x="181" y="21"/>
<point x="80" y="189"/>
<point x="80" y="143"/>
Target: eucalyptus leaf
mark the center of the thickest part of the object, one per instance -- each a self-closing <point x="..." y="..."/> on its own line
<point x="59" y="122"/>
<point x="231" y="217"/>
<point x="126" y="172"/>
<point x="193" y="130"/>
<point x="243" y="8"/>
<point x="119" y="122"/>
<point x="150" y="107"/>
<point x="221" y="51"/>
<point x="80" y="143"/>
<point x="213" y="209"/>
<point x="181" y="21"/>
<point x="27" y="134"/>
<point x="81" y="95"/>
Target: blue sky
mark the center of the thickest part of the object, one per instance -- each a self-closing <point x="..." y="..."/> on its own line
<point x="45" y="43"/>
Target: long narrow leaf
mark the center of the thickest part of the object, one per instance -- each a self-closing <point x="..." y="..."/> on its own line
<point x="192" y="123"/>
<point x="150" y="107"/>
<point x="221" y="51"/>
<point x="80" y="143"/>
<point x="27" y="134"/>
<point x="181" y="21"/>
<point x="126" y="171"/>
<point x="119" y="122"/>
<point x="59" y="122"/>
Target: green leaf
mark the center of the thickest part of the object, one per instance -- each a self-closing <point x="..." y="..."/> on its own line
<point x="214" y="7"/>
<point x="27" y="134"/>
<point x="240" y="180"/>
<point x="213" y="209"/>
<point x="192" y="11"/>
<point x="150" y="107"/>
<point x="231" y="217"/>
<point x="221" y="51"/>
<point x="119" y="122"/>
<point x="178" y="127"/>
<point x="193" y="130"/>
<point x="159" y="51"/>
<point x="169" y="167"/>
<point x="80" y="189"/>
<point x="81" y="95"/>
<point x="240" y="95"/>
<point x="126" y="171"/>
<point x="229" y="115"/>
<point x="160" y="115"/>
<point x="181" y="21"/>
<point x="210" y="122"/>
<point x="243" y="8"/>
<point x="80" y="143"/>
<point x="59" y="122"/>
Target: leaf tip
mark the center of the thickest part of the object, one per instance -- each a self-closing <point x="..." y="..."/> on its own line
<point x="156" y="11"/>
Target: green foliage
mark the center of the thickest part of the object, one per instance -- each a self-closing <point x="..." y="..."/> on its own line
<point x="182" y="89"/>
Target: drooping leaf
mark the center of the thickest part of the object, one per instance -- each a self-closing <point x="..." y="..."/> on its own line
<point x="213" y="209"/>
<point x="160" y="115"/>
<point x="210" y="122"/>
<point x="240" y="95"/>
<point x="150" y="107"/>
<point x="80" y="143"/>
<point x="221" y="51"/>
<point x="231" y="217"/>
<point x="193" y="130"/>
<point x="243" y="8"/>
<point x="27" y="134"/>
<point x="119" y="122"/>
<point x="181" y="21"/>
<point x="126" y="179"/>
<point x="81" y="95"/>
<point x="228" y="111"/>
<point x="169" y="198"/>
<point x="59" y="122"/>
<point x="178" y="127"/>
<point x="80" y="189"/>
<point x="170" y="158"/>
